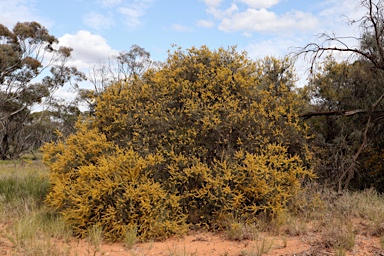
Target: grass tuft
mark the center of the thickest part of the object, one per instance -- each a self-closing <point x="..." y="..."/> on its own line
<point x="238" y="231"/>
<point x="130" y="237"/>
<point x="95" y="237"/>
<point x="338" y="234"/>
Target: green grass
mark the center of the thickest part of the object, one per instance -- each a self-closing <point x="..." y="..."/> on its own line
<point x="338" y="234"/>
<point x="16" y="188"/>
<point x="95" y="238"/>
<point x="238" y="231"/>
<point x="22" y="189"/>
<point x="29" y="226"/>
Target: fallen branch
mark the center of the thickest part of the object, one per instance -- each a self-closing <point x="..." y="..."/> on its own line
<point x="334" y="113"/>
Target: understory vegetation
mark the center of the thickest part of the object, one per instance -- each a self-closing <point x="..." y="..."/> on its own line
<point x="30" y="228"/>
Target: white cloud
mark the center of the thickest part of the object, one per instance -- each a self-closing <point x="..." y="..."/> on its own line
<point x="110" y="3"/>
<point x="131" y="16"/>
<point x="247" y="34"/>
<point x="336" y="14"/>
<point x="213" y="3"/>
<point x="205" y="23"/>
<point x="260" y="3"/>
<point x="276" y="47"/>
<point x="98" y="21"/>
<point x="221" y="14"/>
<point x="329" y="16"/>
<point x="279" y="47"/>
<point x="338" y="8"/>
<point x="88" y="49"/>
<point x="13" y="11"/>
<point x="133" y="12"/>
<point x="180" y="28"/>
<point x="262" y="20"/>
<point x="65" y="93"/>
<point x="130" y="12"/>
<point x="256" y="17"/>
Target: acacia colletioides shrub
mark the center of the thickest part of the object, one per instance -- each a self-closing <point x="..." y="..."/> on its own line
<point x="95" y="183"/>
<point x="210" y="135"/>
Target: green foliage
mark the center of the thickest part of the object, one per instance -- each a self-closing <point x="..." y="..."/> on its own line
<point x="347" y="87"/>
<point x="210" y="136"/>
<point x="25" y="52"/>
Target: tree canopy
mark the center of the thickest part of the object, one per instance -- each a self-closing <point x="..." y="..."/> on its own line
<point x="26" y="52"/>
<point x="351" y="89"/>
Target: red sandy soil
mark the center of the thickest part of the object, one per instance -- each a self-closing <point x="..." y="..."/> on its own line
<point x="204" y="243"/>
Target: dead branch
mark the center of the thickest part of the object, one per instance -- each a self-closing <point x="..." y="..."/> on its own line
<point x="333" y="113"/>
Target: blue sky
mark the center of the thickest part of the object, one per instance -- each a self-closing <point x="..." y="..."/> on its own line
<point x="98" y="29"/>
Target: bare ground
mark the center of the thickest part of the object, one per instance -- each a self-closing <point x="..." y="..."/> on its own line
<point x="212" y="244"/>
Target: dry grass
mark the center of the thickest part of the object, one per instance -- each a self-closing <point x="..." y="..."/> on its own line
<point x="330" y="219"/>
<point x="238" y="231"/>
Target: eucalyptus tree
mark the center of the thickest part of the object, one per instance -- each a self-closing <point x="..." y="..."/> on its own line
<point x="32" y="68"/>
